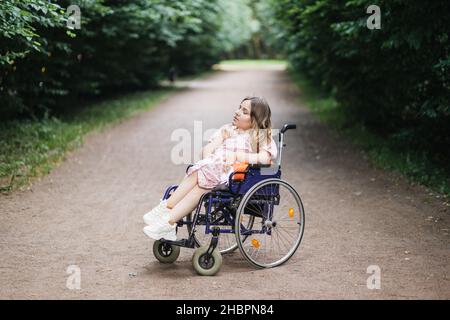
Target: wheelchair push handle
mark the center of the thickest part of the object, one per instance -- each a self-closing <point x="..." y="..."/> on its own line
<point x="286" y="127"/>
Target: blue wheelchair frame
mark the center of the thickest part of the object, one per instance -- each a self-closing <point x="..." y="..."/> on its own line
<point x="227" y="198"/>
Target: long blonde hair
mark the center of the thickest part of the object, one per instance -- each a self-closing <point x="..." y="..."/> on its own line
<point x="261" y="130"/>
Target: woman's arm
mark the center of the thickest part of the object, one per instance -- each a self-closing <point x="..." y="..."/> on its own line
<point x="266" y="154"/>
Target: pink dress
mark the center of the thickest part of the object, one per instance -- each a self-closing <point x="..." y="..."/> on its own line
<point x="213" y="169"/>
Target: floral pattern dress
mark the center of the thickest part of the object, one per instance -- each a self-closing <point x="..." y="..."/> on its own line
<point x="213" y="170"/>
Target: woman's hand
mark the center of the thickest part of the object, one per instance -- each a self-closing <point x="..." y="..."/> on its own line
<point x="207" y="150"/>
<point x="230" y="157"/>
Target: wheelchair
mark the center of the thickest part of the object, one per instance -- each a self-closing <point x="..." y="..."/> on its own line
<point x="256" y="212"/>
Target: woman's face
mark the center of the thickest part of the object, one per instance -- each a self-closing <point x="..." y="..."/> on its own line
<point x="242" y="119"/>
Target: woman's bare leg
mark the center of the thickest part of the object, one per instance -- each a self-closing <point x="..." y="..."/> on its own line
<point x="183" y="188"/>
<point x="187" y="204"/>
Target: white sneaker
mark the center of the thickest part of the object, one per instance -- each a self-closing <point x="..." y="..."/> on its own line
<point x="155" y="214"/>
<point x="161" y="228"/>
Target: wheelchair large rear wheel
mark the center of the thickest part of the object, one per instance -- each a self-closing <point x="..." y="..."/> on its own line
<point x="227" y="241"/>
<point x="204" y="264"/>
<point x="277" y="223"/>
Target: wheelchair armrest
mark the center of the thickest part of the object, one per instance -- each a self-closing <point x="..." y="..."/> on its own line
<point x="188" y="167"/>
<point x="232" y="180"/>
<point x="259" y="165"/>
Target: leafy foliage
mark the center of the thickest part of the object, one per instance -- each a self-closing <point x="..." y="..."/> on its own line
<point x="122" y="45"/>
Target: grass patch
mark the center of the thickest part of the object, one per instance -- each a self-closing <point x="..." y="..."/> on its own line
<point x="32" y="148"/>
<point x="416" y="165"/>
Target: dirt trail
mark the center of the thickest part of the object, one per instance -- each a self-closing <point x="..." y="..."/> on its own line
<point x="88" y="213"/>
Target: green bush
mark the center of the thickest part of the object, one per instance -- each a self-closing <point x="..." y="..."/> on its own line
<point x="394" y="80"/>
<point x="121" y="46"/>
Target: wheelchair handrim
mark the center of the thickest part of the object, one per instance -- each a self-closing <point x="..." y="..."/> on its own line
<point x="244" y="241"/>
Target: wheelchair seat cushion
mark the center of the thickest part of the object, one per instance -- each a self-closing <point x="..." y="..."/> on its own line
<point x="221" y="187"/>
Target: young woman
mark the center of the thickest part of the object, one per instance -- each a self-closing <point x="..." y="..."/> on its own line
<point x="247" y="139"/>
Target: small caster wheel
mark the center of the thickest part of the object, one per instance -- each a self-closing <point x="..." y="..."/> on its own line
<point x="165" y="253"/>
<point x="206" y="265"/>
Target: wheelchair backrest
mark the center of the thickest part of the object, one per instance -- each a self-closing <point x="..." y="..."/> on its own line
<point x="253" y="176"/>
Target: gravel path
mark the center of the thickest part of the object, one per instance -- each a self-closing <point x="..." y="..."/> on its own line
<point x="88" y="213"/>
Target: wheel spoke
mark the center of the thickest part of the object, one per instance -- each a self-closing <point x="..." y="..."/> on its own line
<point x="281" y="222"/>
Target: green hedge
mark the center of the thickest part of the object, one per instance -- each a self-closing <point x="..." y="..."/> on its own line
<point x="122" y="45"/>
